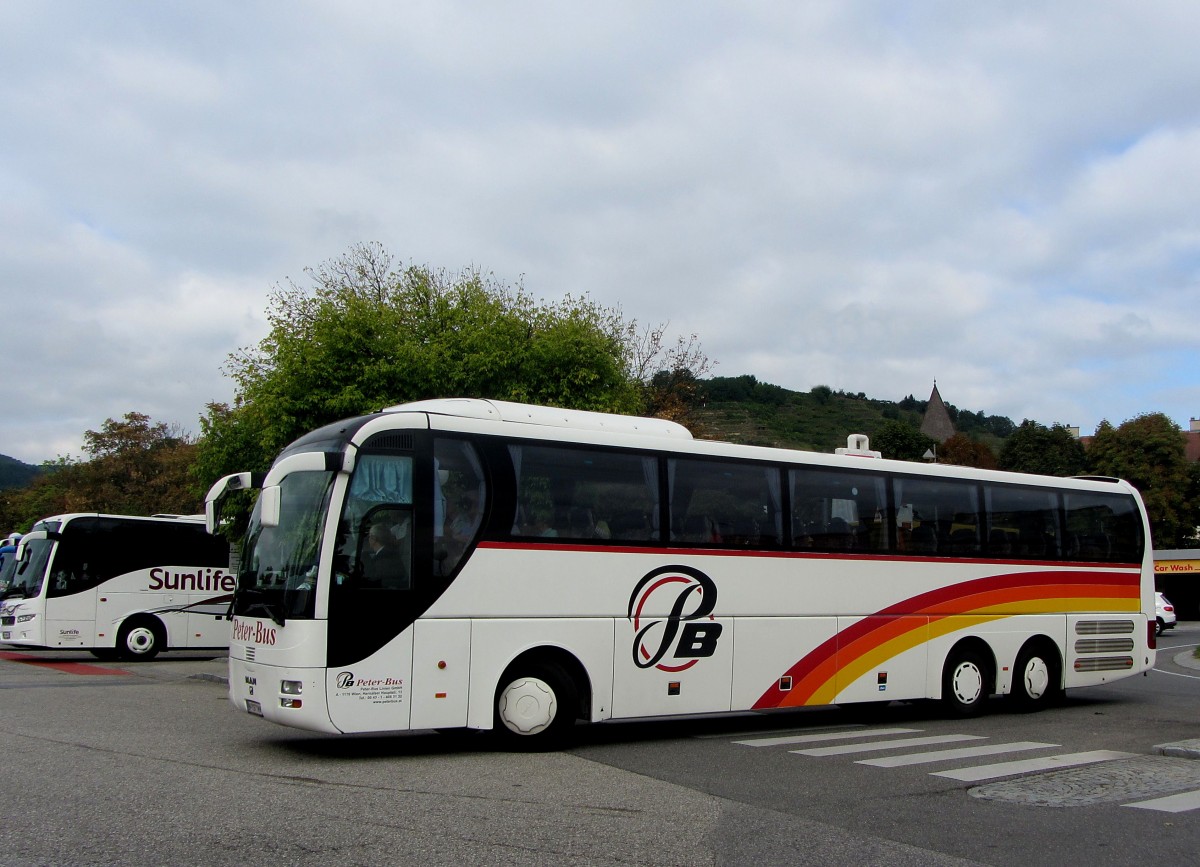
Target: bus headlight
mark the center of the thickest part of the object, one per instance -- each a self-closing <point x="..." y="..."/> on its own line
<point x="291" y="687"/>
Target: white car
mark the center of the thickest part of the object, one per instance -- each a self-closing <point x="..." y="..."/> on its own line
<point x="1164" y="611"/>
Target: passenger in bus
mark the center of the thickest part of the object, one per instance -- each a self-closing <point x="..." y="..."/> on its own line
<point x="542" y="525"/>
<point x="580" y="524"/>
<point x="463" y="520"/>
<point x="837" y="536"/>
<point x="383" y="566"/>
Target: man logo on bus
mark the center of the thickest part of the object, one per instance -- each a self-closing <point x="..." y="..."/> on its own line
<point x="692" y="597"/>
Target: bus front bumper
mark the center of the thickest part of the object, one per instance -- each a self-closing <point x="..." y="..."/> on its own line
<point x="293" y="697"/>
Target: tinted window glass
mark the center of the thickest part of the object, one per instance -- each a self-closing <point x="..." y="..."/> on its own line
<point x="8" y="571"/>
<point x="583" y="494"/>
<point x="1103" y="527"/>
<point x="458" y="502"/>
<point x="937" y="517"/>
<point x="836" y="510"/>
<point x="725" y="503"/>
<point x="278" y="568"/>
<point x="92" y="550"/>
<point x="31" y="568"/>
<point x="1022" y="522"/>
<point x="375" y="544"/>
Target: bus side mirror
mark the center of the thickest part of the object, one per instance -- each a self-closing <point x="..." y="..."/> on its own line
<point x="268" y="506"/>
<point x="218" y="492"/>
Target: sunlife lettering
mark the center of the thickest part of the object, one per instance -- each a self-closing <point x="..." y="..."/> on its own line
<point x="207" y="580"/>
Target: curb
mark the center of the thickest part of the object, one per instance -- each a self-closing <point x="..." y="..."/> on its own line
<point x="1185" y="659"/>
<point x="1189" y="749"/>
<point x="213" y="678"/>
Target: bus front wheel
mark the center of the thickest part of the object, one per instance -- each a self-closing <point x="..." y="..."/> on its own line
<point x="535" y="706"/>
<point x="140" y="638"/>
<point x="966" y="683"/>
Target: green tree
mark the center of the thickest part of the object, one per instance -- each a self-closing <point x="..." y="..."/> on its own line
<point x="138" y="467"/>
<point x="1150" y="452"/>
<point x="901" y="441"/>
<point x="963" y="451"/>
<point x="822" y="394"/>
<point x="1048" y="451"/>
<point x="368" y="334"/>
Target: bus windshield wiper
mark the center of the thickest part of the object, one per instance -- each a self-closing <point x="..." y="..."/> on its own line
<point x="263" y="606"/>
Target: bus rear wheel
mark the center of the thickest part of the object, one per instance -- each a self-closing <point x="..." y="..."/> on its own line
<point x="535" y="706"/>
<point x="1036" y="678"/>
<point x="140" y="638"/>
<point x="966" y="683"/>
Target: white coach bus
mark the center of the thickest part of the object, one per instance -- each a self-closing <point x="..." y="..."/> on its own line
<point x="119" y="586"/>
<point x="469" y="563"/>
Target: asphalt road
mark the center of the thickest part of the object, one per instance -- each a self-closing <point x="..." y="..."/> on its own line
<point x="149" y="764"/>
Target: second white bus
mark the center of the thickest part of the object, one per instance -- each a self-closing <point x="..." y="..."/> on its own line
<point x="119" y="586"/>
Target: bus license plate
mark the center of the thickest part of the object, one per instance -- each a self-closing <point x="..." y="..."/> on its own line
<point x="253" y="707"/>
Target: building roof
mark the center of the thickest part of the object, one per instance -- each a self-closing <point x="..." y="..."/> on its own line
<point x="937" y="424"/>
<point x="1192" y="445"/>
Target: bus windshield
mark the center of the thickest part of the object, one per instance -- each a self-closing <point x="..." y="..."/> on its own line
<point x="30" y="572"/>
<point x="7" y="572"/>
<point x="279" y="564"/>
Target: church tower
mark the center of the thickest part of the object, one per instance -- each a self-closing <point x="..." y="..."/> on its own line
<point x="936" y="424"/>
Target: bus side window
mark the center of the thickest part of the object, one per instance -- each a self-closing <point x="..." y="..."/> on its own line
<point x="458" y="502"/>
<point x="1022" y="522"/>
<point x="938" y="516"/>
<point x="735" y="505"/>
<point x="374" y="546"/>
<point x="838" y="510"/>
<point x="1103" y="527"/>
<point x="583" y="494"/>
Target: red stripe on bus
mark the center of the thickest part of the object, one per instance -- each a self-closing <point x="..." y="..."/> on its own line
<point x="659" y="550"/>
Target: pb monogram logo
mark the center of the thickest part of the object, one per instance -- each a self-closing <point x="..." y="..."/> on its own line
<point x="692" y="597"/>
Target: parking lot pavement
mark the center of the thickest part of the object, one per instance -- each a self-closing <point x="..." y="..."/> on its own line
<point x="174" y="665"/>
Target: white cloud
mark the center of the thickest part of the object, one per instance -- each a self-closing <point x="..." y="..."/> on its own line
<point x="864" y="195"/>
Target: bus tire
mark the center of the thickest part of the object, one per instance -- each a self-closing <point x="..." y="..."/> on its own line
<point x="140" y="638"/>
<point x="1037" y="677"/>
<point x="966" y="683"/>
<point x="535" y="706"/>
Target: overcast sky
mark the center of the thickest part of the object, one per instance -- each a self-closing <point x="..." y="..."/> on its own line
<point x="864" y="195"/>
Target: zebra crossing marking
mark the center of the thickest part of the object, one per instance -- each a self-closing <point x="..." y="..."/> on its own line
<point x="879" y="746"/>
<point x="1025" y="766"/>
<point x="1180" y="803"/>
<point x="959" y="753"/>
<point x="785" y="740"/>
